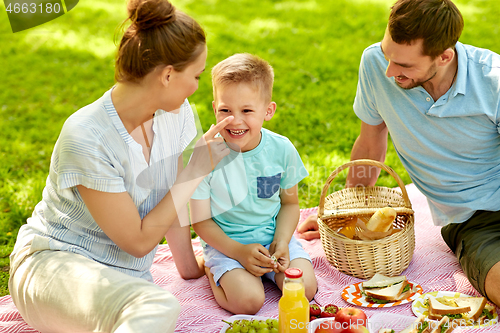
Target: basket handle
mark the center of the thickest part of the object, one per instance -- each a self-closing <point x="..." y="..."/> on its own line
<point x="361" y="162"/>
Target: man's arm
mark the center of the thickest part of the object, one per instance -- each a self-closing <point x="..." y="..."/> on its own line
<point x="370" y="144"/>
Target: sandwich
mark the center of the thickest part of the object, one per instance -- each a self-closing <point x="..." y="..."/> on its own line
<point x="421" y="325"/>
<point x="382" y="289"/>
<point x="444" y="326"/>
<point x="476" y="305"/>
<point x="464" y="310"/>
<point x="437" y="310"/>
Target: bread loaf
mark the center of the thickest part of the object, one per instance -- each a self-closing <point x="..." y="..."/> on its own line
<point x="382" y="220"/>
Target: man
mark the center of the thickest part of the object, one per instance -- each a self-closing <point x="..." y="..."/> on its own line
<point x="440" y="101"/>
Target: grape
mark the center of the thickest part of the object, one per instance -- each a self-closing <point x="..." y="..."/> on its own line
<point x="269" y="325"/>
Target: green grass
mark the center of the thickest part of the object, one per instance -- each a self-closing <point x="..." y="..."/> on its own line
<point x="50" y="71"/>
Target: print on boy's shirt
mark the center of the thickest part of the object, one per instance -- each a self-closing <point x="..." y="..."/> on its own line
<point x="268" y="186"/>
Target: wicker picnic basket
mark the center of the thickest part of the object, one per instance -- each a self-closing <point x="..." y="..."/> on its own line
<point x="361" y="258"/>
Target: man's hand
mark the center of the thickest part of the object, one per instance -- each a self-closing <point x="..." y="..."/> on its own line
<point x="256" y="259"/>
<point x="308" y="229"/>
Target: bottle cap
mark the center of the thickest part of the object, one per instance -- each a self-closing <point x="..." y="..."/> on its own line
<point x="293" y="273"/>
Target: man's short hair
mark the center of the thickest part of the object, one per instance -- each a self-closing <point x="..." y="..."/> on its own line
<point x="244" y="68"/>
<point x="438" y="22"/>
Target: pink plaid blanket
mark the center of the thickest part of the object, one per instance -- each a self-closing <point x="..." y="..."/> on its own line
<point x="433" y="266"/>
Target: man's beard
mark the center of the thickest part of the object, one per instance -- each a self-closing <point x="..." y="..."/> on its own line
<point x="430" y="74"/>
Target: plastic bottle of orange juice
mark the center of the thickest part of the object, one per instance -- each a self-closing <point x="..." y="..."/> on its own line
<point x="293" y="305"/>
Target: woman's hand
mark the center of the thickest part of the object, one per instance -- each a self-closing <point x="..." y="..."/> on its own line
<point x="256" y="259"/>
<point x="308" y="229"/>
<point x="281" y="252"/>
<point x="209" y="150"/>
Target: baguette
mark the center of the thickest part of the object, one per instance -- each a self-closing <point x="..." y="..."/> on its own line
<point x="382" y="220"/>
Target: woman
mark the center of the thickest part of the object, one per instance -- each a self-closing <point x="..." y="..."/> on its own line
<point x="116" y="186"/>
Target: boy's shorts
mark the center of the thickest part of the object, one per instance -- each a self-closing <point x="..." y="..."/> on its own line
<point x="220" y="263"/>
<point x="476" y="243"/>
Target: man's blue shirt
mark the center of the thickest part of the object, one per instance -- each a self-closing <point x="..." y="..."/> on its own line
<point x="450" y="147"/>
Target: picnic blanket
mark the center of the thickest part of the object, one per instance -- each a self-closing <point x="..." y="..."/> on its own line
<point x="434" y="267"/>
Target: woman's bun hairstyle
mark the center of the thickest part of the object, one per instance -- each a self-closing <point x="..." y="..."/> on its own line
<point x="146" y="15"/>
<point x="159" y="35"/>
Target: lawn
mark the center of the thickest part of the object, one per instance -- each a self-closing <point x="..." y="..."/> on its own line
<point x="51" y="71"/>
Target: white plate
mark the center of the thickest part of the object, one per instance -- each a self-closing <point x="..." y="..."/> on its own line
<point x="240" y="317"/>
<point x="313" y="325"/>
<point x="353" y="294"/>
<point x="389" y="320"/>
<point x="420" y="309"/>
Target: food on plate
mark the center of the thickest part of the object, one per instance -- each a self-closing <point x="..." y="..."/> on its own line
<point x="476" y="305"/>
<point x="382" y="289"/>
<point x="244" y="325"/>
<point x="352" y="316"/>
<point x="330" y="310"/>
<point x="421" y="325"/>
<point x="444" y="326"/>
<point x="461" y="310"/>
<point x="382" y="220"/>
<point x="437" y="309"/>
<point x="464" y="310"/>
<point x="418" y="326"/>
<point x="381" y="281"/>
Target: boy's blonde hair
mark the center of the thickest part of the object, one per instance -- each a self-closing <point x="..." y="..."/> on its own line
<point x="244" y="68"/>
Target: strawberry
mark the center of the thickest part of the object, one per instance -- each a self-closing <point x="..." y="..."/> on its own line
<point x="330" y="311"/>
<point x="314" y="310"/>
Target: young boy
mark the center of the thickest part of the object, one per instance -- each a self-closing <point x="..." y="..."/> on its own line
<point x="247" y="209"/>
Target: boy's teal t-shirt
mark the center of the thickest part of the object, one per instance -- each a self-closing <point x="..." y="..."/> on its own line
<point x="244" y="188"/>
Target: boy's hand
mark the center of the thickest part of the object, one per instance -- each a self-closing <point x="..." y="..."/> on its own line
<point x="279" y="250"/>
<point x="256" y="259"/>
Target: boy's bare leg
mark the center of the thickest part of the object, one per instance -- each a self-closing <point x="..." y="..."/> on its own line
<point x="492" y="284"/>
<point x="240" y="292"/>
<point x="310" y="282"/>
